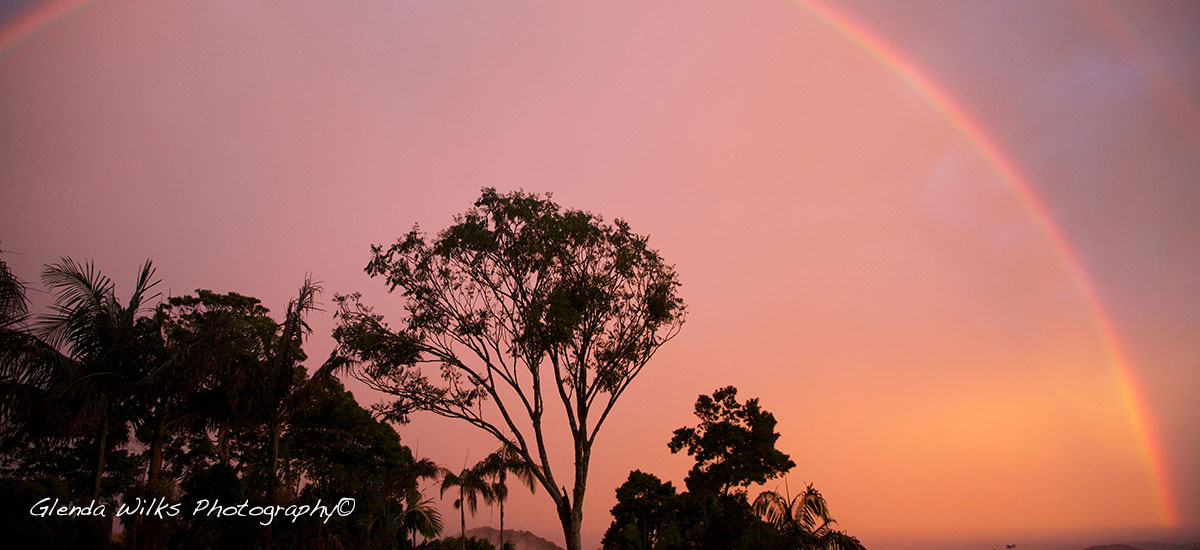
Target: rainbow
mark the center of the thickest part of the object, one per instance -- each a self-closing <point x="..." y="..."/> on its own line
<point x="36" y="18"/>
<point x="1006" y="169"/>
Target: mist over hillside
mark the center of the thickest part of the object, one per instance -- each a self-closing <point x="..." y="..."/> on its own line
<point x="521" y="540"/>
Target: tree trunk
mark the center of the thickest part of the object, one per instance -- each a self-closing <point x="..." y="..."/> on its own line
<point x="501" y="525"/>
<point x="572" y="520"/>
<point x="273" y="481"/>
<point x="462" y="513"/>
<point x="223" y="436"/>
<point x="274" y="460"/>
<point x="101" y="453"/>
<point x="100" y="525"/>
<point x="156" y="460"/>
<point x="146" y="533"/>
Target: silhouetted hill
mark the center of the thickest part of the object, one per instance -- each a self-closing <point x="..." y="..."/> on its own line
<point x="1146" y="545"/>
<point x="522" y="540"/>
<point x="1166" y="546"/>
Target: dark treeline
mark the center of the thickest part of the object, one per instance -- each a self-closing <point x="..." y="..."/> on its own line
<point x="156" y="407"/>
<point x="734" y="448"/>
<point x="114" y="400"/>
<point x="171" y="406"/>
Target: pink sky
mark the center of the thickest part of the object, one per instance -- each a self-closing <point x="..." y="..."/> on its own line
<point x="846" y="254"/>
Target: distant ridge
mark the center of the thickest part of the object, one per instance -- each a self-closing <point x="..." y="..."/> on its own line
<point x="1146" y="545"/>
<point x="521" y="540"/>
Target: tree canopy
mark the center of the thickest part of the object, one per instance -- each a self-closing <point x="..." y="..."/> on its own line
<point x="645" y="516"/>
<point x="202" y="397"/>
<point x="734" y="444"/>
<point x="518" y="302"/>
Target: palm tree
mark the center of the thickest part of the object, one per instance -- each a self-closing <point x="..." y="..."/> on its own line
<point x="420" y="516"/>
<point x="29" y="369"/>
<point x="102" y="339"/>
<point x="472" y="484"/>
<point x="805" y="519"/>
<point x="506" y="460"/>
<point x="416" y="471"/>
<point x="167" y="393"/>
<point x="838" y="540"/>
<point x="281" y="392"/>
<point x="278" y="386"/>
<point x="807" y="512"/>
<point x="14" y="306"/>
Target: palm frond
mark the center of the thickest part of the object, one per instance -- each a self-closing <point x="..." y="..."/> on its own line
<point x="421" y="516"/>
<point x="143" y="285"/>
<point x="83" y="302"/>
<point x="14" y="305"/>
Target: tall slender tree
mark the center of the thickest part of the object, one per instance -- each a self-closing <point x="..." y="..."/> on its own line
<point x="280" y="386"/>
<point x="103" y="339"/>
<point x="472" y="485"/>
<point x="497" y="466"/>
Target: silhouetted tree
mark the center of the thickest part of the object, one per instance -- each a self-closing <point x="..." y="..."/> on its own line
<point x="472" y="485"/>
<point x="734" y="445"/>
<point x="517" y="297"/>
<point x="803" y="520"/>
<point x="216" y="392"/>
<point x="497" y="466"/>
<point x="103" y="353"/>
<point x="30" y="370"/>
<point x="282" y="386"/>
<point x="420" y="516"/>
<point x="645" y="515"/>
<point x="807" y="511"/>
<point x="18" y="378"/>
<point x="339" y="450"/>
<point x="224" y="338"/>
<point x="101" y="337"/>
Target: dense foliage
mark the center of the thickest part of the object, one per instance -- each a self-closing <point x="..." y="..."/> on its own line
<point x="734" y="448"/>
<point x="202" y="397"/>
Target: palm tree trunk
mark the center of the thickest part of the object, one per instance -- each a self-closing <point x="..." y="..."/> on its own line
<point x="274" y="454"/>
<point x="462" y="513"/>
<point x="223" y="437"/>
<point x="273" y="480"/>
<point x="501" y="525"/>
<point x="156" y="444"/>
<point x="101" y="452"/>
<point x="102" y="528"/>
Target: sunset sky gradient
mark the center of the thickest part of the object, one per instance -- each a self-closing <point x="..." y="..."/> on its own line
<point x="955" y="248"/>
